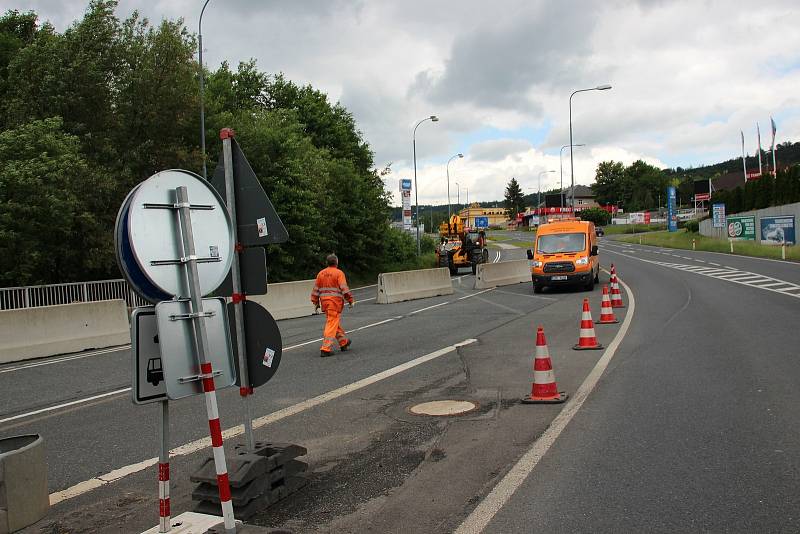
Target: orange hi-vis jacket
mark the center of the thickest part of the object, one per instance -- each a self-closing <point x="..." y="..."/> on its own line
<point x="330" y="289"/>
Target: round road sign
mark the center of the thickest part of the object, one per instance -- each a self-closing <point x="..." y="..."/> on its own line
<point x="153" y="232"/>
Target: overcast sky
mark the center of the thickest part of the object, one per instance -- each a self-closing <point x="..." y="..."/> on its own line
<point x="686" y="76"/>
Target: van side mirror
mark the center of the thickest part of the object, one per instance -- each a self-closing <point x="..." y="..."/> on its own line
<point x="530" y="254"/>
<point x="594" y="250"/>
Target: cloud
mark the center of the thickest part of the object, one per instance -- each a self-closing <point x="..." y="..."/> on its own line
<point x="687" y="75"/>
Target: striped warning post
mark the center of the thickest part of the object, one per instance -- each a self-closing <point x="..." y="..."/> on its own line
<point x="606" y="311"/>
<point x="544" y="389"/>
<point x="223" y="485"/>
<point x="587" y="339"/>
<point x="616" y="296"/>
<point x="163" y="497"/>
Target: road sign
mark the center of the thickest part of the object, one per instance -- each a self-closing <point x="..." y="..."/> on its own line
<point x="405" y="184"/>
<point x="481" y="222"/>
<point x="742" y="227"/>
<point x="253" y="269"/>
<point x="718" y="215"/>
<point x="147" y="373"/>
<point x="778" y="230"/>
<point x="257" y="221"/>
<point x="179" y="354"/>
<point x="263" y="340"/>
<point x="153" y="225"/>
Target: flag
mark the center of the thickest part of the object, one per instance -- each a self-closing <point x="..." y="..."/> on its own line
<point x="774" y="129"/>
<point x="758" y="131"/>
<point x="741" y="132"/>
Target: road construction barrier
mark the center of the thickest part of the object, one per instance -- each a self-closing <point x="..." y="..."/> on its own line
<point x="410" y="285"/>
<point x="49" y="330"/>
<point x="502" y="274"/>
<point x="287" y="300"/>
<point x="23" y="482"/>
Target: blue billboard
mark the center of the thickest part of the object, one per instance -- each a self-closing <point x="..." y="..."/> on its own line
<point x="481" y="222"/>
<point x="405" y="184"/>
<point x="672" y="215"/>
<point x="778" y="230"/>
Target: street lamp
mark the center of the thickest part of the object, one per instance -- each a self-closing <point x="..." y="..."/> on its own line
<point x="459" y="155"/>
<point x="458" y="194"/>
<point x="561" y="164"/>
<point x="571" y="167"/>
<point x="432" y="118"/>
<point x="202" y="90"/>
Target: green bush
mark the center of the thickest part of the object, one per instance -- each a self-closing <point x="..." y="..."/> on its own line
<point x="692" y="226"/>
<point x="598" y="216"/>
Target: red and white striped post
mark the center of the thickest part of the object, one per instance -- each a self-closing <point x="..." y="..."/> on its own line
<point x="223" y="484"/>
<point x="163" y="471"/>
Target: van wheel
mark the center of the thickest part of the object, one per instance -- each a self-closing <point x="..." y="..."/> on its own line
<point x="537" y="288"/>
<point x="597" y="276"/>
<point x="590" y="285"/>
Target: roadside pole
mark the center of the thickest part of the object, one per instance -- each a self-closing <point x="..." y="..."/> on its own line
<point x="163" y="470"/>
<point x="237" y="298"/>
<point x="189" y="258"/>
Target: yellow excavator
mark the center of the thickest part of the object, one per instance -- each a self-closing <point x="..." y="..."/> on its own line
<point x="459" y="248"/>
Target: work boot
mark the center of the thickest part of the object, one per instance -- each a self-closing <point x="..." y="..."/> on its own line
<point x="345" y="346"/>
<point x="325" y="353"/>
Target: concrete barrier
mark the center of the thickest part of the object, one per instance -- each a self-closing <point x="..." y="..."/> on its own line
<point x="410" y="285"/>
<point x="23" y="482"/>
<point x="502" y="274"/>
<point x="49" y="330"/>
<point x="287" y="300"/>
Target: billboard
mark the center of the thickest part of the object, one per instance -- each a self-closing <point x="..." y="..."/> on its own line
<point x="672" y="216"/>
<point x="642" y="217"/>
<point x="555" y="200"/>
<point x="778" y="230"/>
<point x="742" y="227"/>
<point x="718" y="215"/>
<point x="405" y="184"/>
<point x="481" y="222"/>
<point x="405" y="193"/>
<point x="702" y="190"/>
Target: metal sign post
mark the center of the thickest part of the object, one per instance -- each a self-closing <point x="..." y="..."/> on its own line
<point x="244" y="380"/>
<point x="189" y="259"/>
<point x="163" y="471"/>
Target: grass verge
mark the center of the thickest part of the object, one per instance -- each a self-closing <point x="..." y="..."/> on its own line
<point x="683" y="240"/>
<point x="613" y="229"/>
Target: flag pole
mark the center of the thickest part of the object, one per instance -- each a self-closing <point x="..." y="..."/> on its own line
<point x="774" y="165"/>
<point x="758" y="131"/>
<point x="744" y="162"/>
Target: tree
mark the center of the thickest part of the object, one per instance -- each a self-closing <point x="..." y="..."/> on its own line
<point x="50" y="201"/>
<point x="514" y="202"/>
<point x="598" y="216"/>
<point x="608" y="182"/>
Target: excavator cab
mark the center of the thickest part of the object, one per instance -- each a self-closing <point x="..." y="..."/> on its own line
<point x="459" y="248"/>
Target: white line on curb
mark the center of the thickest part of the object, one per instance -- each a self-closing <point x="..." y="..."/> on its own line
<point x="502" y="492"/>
<point x="194" y="446"/>
<point x="64" y="405"/>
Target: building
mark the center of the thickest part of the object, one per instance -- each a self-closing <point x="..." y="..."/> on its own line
<point x="496" y="216"/>
<point x="584" y="198"/>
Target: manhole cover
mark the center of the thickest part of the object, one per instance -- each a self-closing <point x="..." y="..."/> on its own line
<point x="444" y="408"/>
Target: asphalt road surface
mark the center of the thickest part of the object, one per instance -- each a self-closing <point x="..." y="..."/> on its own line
<point x="692" y="426"/>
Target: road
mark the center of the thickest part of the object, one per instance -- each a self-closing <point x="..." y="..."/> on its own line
<point x="691" y="426"/>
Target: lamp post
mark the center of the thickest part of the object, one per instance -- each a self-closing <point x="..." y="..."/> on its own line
<point x="459" y="155"/>
<point x="432" y="118"/>
<point x="571" y="167"/>
<point x="202" y="90"/>
<point x="561" y="165"/>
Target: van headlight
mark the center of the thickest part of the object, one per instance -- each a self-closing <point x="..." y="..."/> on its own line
<point x="582" y="261"/>
<point x="537" y="264"/>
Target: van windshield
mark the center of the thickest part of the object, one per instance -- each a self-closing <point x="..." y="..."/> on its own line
<point x="556" y="243"/>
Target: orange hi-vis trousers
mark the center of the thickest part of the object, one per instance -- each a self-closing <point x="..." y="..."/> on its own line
<point x="333" y="332"/>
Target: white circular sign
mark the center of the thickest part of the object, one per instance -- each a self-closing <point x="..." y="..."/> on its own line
<point x="154" y="232"/>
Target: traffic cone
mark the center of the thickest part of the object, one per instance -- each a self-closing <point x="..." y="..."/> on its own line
<point x="544" y="389"/>
<point x="606" y="311"/>
<point x="613" y="270"/>
<point x="587" y="339"/>
<point x="616" y="296"/>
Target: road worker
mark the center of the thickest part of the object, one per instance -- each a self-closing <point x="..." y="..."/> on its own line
<point x="330" y="292"/>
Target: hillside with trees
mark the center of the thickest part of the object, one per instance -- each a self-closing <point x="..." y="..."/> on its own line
<point x="87" y="114"/>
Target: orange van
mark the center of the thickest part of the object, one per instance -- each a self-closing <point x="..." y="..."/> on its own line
<point x="565" y="253"/>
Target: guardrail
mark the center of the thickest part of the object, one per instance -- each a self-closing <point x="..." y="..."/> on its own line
<point x="15" y="298"/>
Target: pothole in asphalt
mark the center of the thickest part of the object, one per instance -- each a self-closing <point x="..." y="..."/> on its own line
<point x="444" y="408"/>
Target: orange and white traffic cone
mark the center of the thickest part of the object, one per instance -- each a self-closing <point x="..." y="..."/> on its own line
<point x="544" y="389"/>
<point x="613" y="270"/>
<point x="587" y="339"/>
<point x="606" y="311"/>
<point x="616" y="296"/>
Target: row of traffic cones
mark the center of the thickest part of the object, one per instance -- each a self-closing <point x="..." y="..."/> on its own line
<point x="544" y="389"/>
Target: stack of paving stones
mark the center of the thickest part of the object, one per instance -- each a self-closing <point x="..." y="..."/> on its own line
<point x="258" y="478"/>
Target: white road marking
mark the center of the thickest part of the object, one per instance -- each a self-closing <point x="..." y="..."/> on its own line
<point x="729" y="274"/>
<point x="64" y="405"/>
<point x="715" y="264"/>
<point x="197" y="445"/>
<point x="475" y="294"/>
<point x="499" y="496"/>
<point x="428" y="308"/>
<point x="61" y="359"/>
